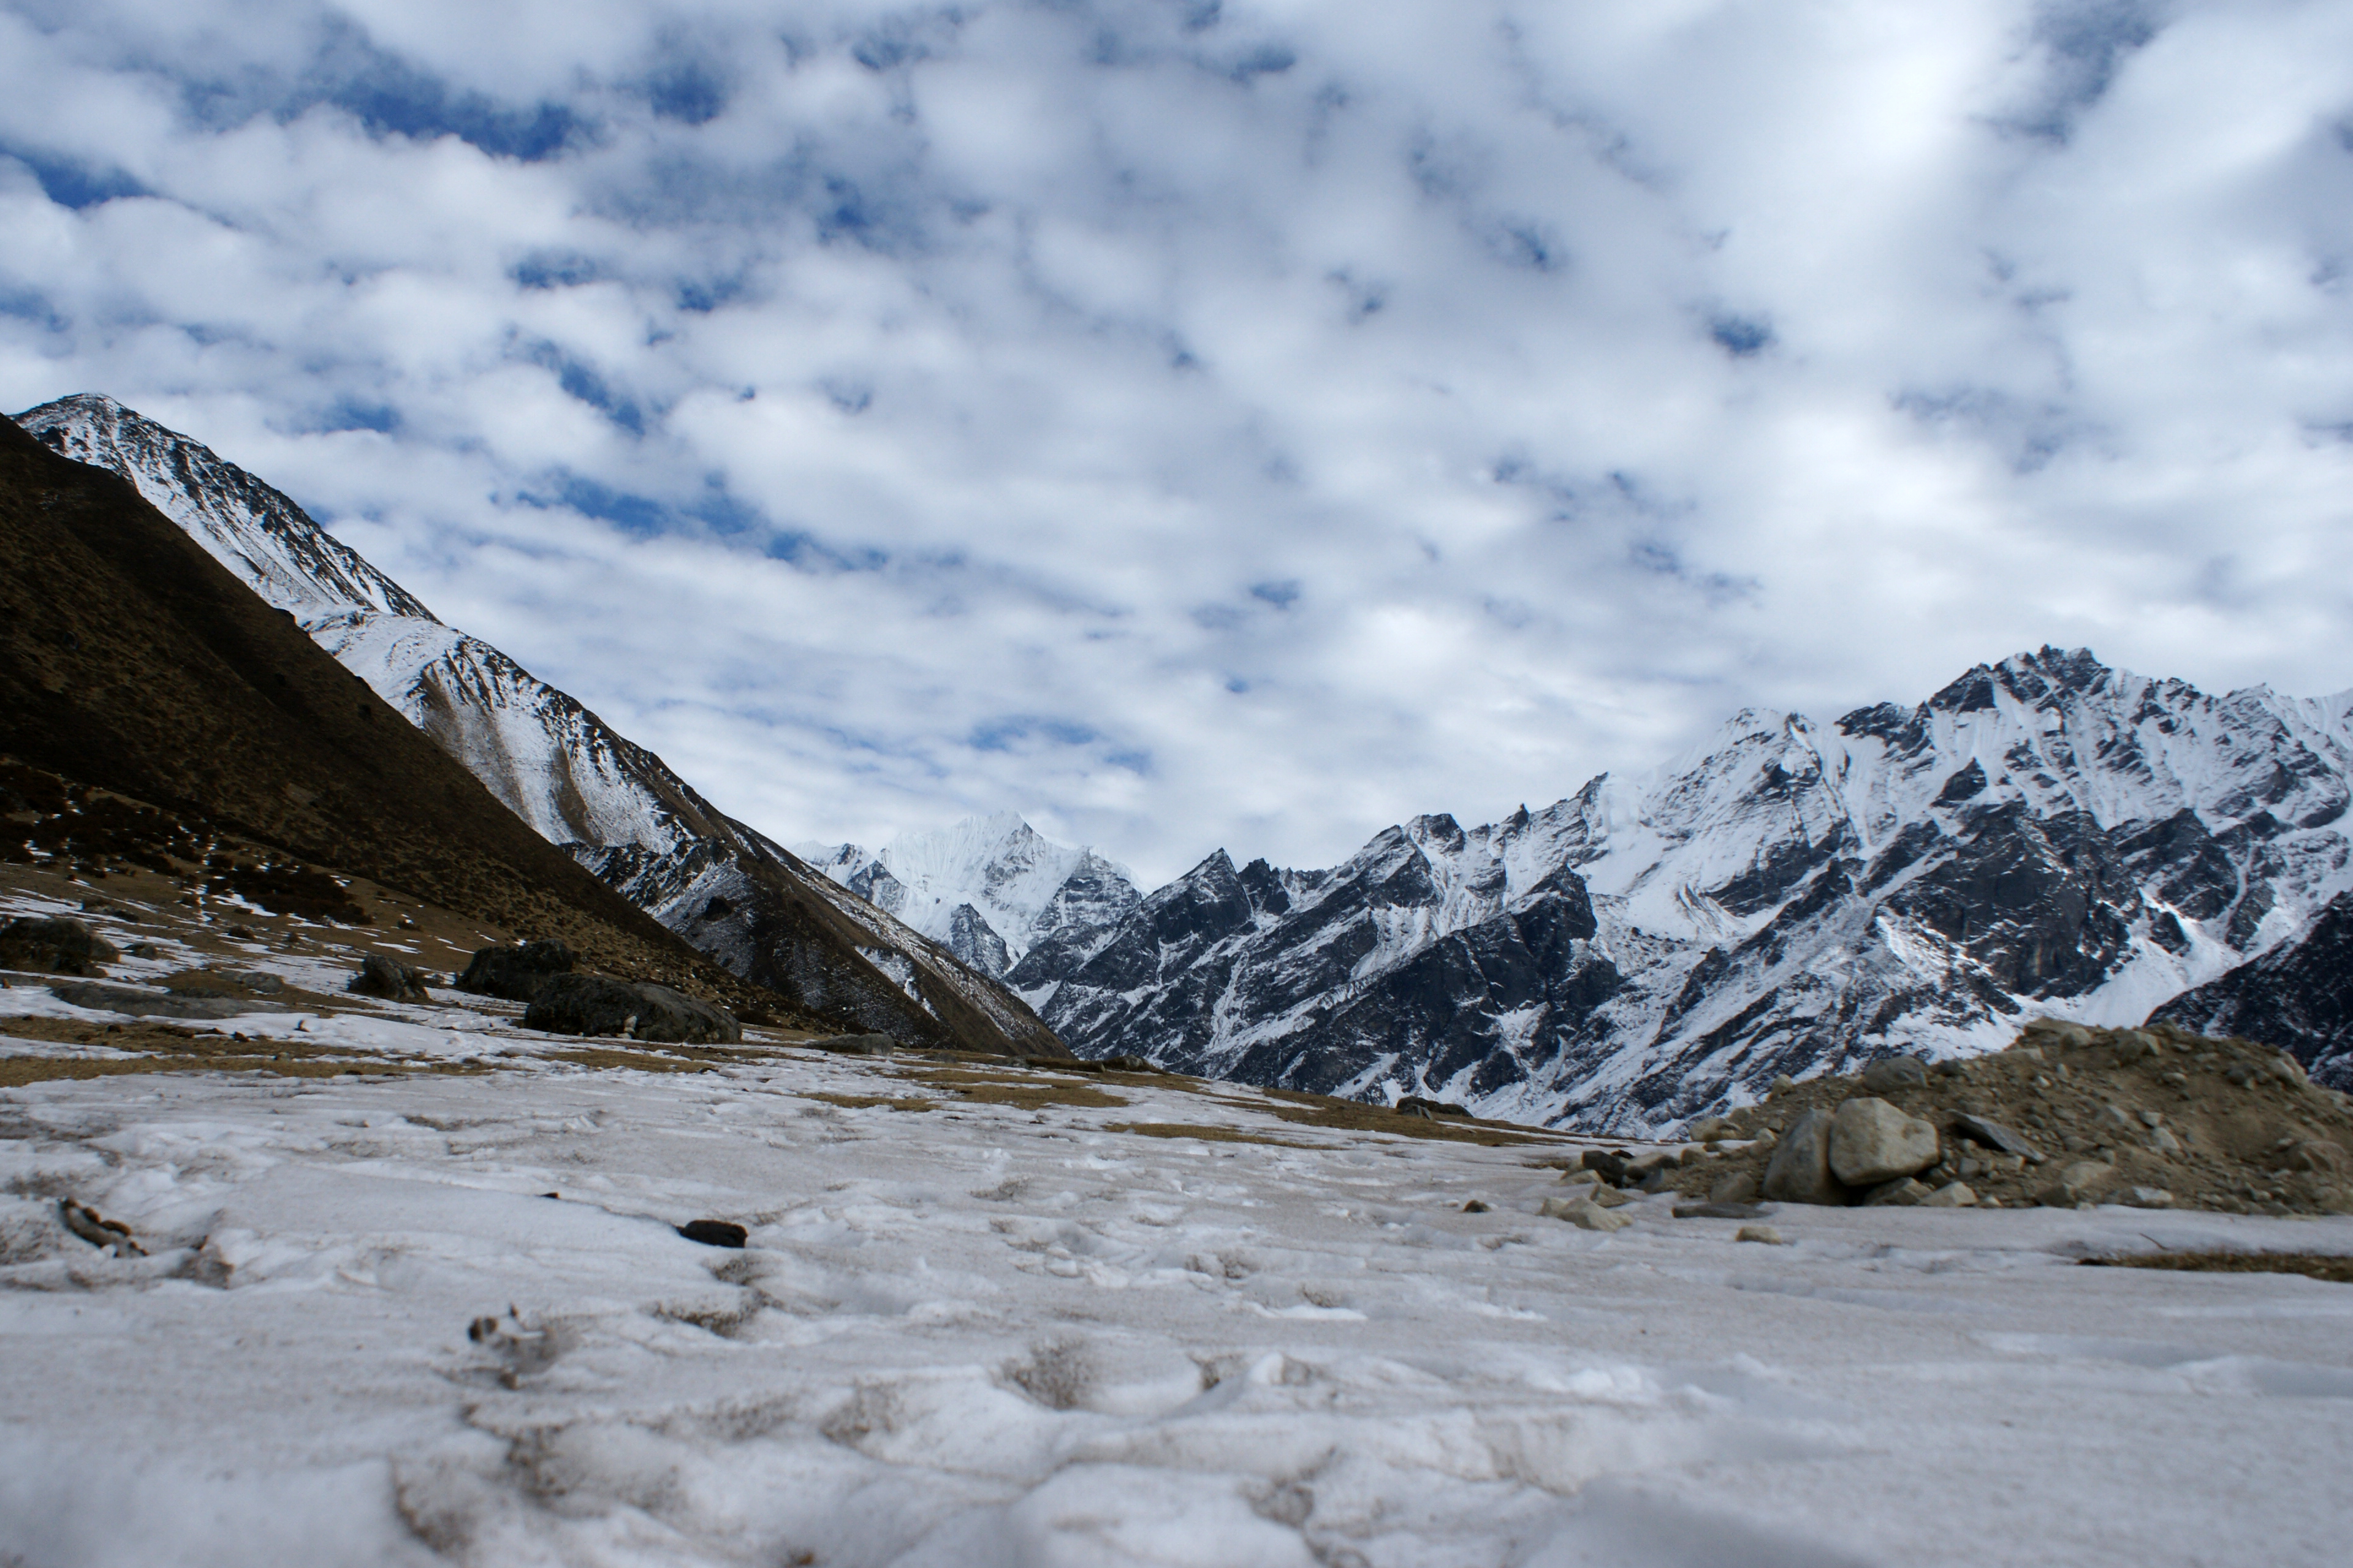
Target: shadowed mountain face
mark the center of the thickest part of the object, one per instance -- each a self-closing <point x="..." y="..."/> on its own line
<point x="615" y="807"/>
<point x="2046" y="835"/>
<point x="131" y="660"/>
<point x="2298" y="996"/>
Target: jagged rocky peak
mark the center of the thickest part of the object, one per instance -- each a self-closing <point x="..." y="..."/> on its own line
<point x="993" y="875"/>
<point x="2044" y="834"/>
<point x="253" y="530"/>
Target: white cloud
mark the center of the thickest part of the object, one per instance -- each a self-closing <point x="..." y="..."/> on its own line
<point x="1243" y="424"/>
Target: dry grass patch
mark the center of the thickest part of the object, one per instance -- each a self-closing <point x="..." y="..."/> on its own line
<point x="867" y="1102"/>
<point x="1351" y="1116"/>
<point x="1022" y="1093"/>
<point x="1203" y="1130"/>
<point x="2336" y="1268"/>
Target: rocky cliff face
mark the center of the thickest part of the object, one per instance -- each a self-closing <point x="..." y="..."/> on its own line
<point x="2298" y="996"/>
<point x="2047" y="834"/>
<point x="615" y="806"/>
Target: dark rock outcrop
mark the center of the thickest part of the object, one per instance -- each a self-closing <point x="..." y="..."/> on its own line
<point x="50" y="946"/>
<point x="594" y="1005"/>
<point x="389" y="979"/>
<point x="518" y="974"/>
<point x="2298" y="997"/>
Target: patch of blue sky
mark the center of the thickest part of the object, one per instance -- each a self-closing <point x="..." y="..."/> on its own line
<point x="1008" y="731"/>
<point x="72" y="181"/>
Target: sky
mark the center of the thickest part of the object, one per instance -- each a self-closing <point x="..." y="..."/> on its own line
<point x="1194" y="423"/>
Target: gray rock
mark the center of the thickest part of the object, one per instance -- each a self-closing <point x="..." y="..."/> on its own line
<point x="1764" y="1233"/>
<point x="1718" y="1211"/>
<point x="1800" y="1170"/>
<point x="1741" y="1188"/>
<point x="1951" y="1195"/>
<point x="1713" y="1129"/>
<point x="1418" y="1105"/>
<point x="2145" y="1198"/>
<point x="1782" y="1084"/>
<point x="54" y="947"/>
<point x="1994" y="1136"/>
<point x="103" y="998"/>
<point x="389" y="978"/>
<point x="859" y="1045"/>
<point x="1895" y="1072"/>
<point x="1903" y="1191"/>
<point x="1872" y="1141"/>
<point x="519" y="973"/>
<point x="2165" y="1143"/>
<point x="1584" y="1214"/>
<point x="594" y="1005"/>
<point x="2079" y="1182"/>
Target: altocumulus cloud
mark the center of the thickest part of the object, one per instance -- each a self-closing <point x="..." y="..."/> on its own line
<point x="1195" y="423"/>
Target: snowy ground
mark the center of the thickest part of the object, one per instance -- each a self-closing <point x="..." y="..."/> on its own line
<point x="990" y="1334"/>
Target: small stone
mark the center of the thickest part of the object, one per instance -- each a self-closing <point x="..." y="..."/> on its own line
<point x="1782" y="1084"/>
<point x="1475" y="1206"/>
<point x="1800" y="1171"/>
<point x="2164" y="1141"/>
<point x="2147" y="1198"/>
<point x="2079" y="1182"/>
<point x="1584" y="1214"/>
<point x="714" y="1232"/>
<point x="1896" y="1072"/>
<point x="1872" y="1141"/>
<point x="1713" y="1129"/>
<point x="1951" y="1195"/>
<point x="1764" y="1233"/>
<point x="1715" y="1211"/>
<point x="1992" y="1134"/>
<point x="2152" y="1119"/>
<point x="1903" y="1191"/>
<point x="1736" y="1189"/>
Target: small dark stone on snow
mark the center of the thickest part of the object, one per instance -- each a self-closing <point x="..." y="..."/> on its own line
<point x="1474" y="1207"/>
<point x="714" y="1232"/>
<point x="1416" y="1105"/>
<point x="1720" y="1211"/>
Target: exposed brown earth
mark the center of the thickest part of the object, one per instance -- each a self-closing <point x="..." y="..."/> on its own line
<point x="2157" y="1117"/>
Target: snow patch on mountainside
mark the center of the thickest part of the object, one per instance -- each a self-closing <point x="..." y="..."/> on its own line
<point x="991" y="888"/>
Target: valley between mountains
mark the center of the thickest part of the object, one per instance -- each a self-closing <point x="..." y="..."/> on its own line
<point x="2046" y="835"/>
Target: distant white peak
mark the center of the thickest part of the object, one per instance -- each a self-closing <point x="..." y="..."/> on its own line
<point x="258" y="532"/>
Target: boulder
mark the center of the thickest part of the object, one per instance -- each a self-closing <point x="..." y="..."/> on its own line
<point x="1713" y="1129"/>
<point x="54" y="947"/>
<point x="594" y="1005"/>
<point x="1904" y="1192"/>
<point x="1896" y="1072"/>
<point x="1800" y="1171"/>
<point x="389" y="978"/>
<point x="518" y="972"/>
<point x="1584" y="1214"/>
<point x="1736" y="1189"/>
<point x="2078" y="1183"/>
<point x="1994" y="1136"/>
<point x="103" y="998"/>
<point x="1417" y="1105"/>
<point x="1872" y="1141"/>
<point x="2320" y="1156"/>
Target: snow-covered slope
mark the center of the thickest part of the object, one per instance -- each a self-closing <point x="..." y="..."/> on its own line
<point x="991" y="888"/>
<point x="616" y="806"/>
<point x="2044" y="835"/>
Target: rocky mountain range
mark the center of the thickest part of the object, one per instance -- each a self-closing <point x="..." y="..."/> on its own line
<point x="2046" y="835"/>
<point x="615" y="806"/>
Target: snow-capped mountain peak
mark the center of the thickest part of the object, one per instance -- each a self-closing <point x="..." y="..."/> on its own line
<point x="991" y="888"/>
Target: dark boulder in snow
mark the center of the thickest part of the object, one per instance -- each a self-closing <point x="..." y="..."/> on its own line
<point x="390" y="979"/>
<point x="594" y="1005"/>
<point x="54" y="947"/>
<point x="520" y="973"/>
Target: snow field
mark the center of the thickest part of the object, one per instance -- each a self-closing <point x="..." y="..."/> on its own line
<point x="982" y="1335"/>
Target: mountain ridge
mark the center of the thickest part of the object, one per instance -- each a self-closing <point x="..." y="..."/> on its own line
<point x="613" y="805"/>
